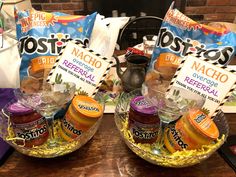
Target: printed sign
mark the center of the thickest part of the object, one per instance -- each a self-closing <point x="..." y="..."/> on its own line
<point x="82" y="66"/>
<point x="213" y="82"/>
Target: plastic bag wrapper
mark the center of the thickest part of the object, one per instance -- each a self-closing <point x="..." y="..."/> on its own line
<point x="105" y="34"/>
<point x="8" y="12"/>
<point x="9" y="23"/>
<point x="180" y="36"/>
<point x="42" y="35"/>
<point x="9" y="63"/>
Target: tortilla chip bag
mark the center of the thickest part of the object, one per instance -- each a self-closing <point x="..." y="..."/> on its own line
<point x="180" y="36"/>
<point x="42" y="35"/>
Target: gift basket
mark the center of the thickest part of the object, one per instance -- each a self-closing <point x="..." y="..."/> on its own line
<point x="174" y="118"/>
<point x="55" y="107"/>
<point x="27" y="120"/>
<point x="36" y="141"/>
<point x="149" y="151"/>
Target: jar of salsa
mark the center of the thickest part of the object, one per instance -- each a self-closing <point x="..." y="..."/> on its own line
<point x="28" y="125"/>
<point x="191" y="132"/>
<point x="143" y="121"/>
<point x="82" y="113"/>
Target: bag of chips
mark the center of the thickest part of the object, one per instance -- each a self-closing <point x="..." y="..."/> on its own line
<point x="180" y="36"/>
<point x="42" y="35"/>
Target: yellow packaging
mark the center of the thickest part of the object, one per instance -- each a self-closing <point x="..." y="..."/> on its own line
<point x="81" y="115"/>
<point x="191" y="132"/>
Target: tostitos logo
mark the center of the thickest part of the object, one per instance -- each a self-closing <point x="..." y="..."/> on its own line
<point x="168" y="40"/>
<point x="37" y="19"/>
<point x="43" y="45"/>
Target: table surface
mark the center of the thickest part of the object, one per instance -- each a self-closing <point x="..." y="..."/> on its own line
<point x="106" y="155"/>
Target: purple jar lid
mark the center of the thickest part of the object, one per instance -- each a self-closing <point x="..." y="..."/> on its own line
<point x="18" y="109"/>
<point x="140" y="105"/>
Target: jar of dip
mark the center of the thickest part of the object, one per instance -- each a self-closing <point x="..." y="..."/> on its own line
<point x="143" y="121"/>
<point x="28" y="125"/>
<point x="82" y="113"/>
<point x="191" y="132"/>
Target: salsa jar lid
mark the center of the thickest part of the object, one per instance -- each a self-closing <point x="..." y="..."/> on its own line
<point x="141" y="105"/>
<point x="87" y="106"/>
<point x="203" y="123"/>
<point x="17" y="108"/>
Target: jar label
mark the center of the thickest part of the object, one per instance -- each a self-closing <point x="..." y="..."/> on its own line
<point x="32" y="130"/>
<point x="175" y="138"/>
<point x="70" y="129"/>
<point x="143" y="132"/>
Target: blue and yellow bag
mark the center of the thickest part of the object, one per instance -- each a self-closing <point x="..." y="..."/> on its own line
<point x="42" y="36"/>
<point x="180" y="36"/>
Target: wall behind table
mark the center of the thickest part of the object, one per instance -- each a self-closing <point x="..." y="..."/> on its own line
<point x="66" y="6"/>
<point x="87" y="6"/>
<point x="201" y="10"/>
<point x="211" y="10"/>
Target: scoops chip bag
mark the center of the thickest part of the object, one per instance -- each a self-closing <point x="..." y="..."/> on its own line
<point x="180" y="36"/>
<point x="42" y="36"/>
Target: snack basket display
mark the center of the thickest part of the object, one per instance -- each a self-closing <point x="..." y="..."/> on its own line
<point x="176" y="160"/>
<point x="44" y="151"/>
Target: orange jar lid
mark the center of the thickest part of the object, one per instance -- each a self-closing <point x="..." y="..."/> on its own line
<point x="87" y="106"/>
<point x="203" y="123"/>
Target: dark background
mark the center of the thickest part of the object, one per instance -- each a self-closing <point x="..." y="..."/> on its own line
<point x="132" y="7"/>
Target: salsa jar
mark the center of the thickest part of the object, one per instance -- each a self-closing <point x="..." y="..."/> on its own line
<point x="28" y="125"/>
<point x="81" y="115"/>
<point x="190" y="132"/>
<point x="143" y="121"/>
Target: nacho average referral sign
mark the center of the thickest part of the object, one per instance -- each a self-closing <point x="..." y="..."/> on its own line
<point x="213" y="82"/>
<point x="82" y="66"/>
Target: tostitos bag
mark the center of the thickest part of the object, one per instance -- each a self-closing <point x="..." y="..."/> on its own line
<point x="180" y="36"/>
<point x="42" y="35"/>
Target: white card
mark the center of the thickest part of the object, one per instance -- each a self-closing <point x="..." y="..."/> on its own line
<point x="213" y="82"/>
<point x="82" y="66"/>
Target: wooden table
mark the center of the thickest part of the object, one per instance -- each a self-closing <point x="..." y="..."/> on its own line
<point x="106" y="155"/>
